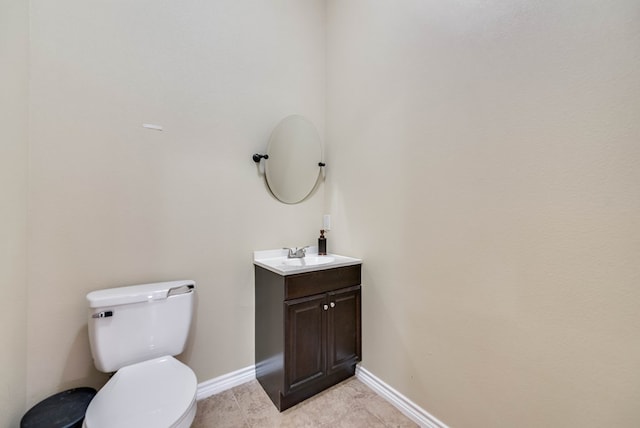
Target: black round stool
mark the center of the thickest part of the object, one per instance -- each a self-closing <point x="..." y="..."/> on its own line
<point x="65" y="409"/>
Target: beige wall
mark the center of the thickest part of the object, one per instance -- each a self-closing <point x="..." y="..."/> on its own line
<point x="484" y="163"/>
<point x="482" y="159"/>
<point x="14" y="50"/>
<point x="115" y="204"/>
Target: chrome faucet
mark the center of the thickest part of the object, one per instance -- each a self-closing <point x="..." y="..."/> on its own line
<point x="296" y="253"/>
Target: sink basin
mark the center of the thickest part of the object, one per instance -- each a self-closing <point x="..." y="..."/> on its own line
<point x="308" y="261"/>
<point x="277" y="261"/>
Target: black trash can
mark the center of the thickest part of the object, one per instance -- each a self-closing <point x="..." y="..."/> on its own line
<point x="65" y="409"/>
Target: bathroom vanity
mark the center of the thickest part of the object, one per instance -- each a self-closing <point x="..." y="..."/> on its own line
<point x="307" y="324"/>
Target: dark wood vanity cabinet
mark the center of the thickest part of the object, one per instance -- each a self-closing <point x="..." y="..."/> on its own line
<point x="308" y="331"/>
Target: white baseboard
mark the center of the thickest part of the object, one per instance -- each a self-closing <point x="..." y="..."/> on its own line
<point x="399" y="401"/>
<point x="226" y="381"/>
<point x="407" y="407"/>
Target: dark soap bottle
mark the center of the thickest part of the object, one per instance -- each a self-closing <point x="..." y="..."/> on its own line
<point x="322" y="244"/>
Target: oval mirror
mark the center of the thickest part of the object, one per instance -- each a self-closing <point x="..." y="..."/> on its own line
<point x="294" y="151"/>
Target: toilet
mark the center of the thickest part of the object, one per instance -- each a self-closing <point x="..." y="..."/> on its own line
<point x="135" y="331"/>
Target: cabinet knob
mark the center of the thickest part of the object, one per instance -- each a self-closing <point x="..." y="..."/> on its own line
<point x="325" y="307"/>
<point x="333" y="304"/>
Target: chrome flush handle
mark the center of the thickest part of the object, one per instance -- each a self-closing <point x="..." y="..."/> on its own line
<point x="103" y="314"/>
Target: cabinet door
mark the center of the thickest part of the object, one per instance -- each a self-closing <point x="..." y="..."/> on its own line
<point x="343" y="328"/>
<point x="305" y="333"/>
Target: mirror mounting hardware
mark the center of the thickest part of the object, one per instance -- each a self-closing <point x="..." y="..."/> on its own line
<point x="257" y="157"/>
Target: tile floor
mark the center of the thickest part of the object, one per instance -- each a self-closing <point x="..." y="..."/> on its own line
<point x="349" y="404"/>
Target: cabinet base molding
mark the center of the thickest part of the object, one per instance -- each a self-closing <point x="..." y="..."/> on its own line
<point x="410" y="409"/>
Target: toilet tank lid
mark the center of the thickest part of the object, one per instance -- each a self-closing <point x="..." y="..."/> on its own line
<point x="139" y="293"/>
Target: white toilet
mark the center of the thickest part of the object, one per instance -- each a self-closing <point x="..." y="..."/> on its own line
<point x="135" y="331"/>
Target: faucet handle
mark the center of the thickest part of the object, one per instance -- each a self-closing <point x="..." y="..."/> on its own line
<point x="296" y="252"/>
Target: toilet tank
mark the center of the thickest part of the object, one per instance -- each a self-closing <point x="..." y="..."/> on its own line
<point x="137" y="323"/>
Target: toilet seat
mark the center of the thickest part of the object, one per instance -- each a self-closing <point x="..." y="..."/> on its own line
<point x="155" y="393"/>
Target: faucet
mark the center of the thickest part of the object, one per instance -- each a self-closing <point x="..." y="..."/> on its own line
<point x="296" y="253"/>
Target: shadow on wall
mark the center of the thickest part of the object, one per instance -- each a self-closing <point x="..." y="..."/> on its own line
<point x="79" y="367"/>
<point x="185" y="357"/>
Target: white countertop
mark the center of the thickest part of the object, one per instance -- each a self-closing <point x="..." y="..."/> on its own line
<point x="276" y="261"/>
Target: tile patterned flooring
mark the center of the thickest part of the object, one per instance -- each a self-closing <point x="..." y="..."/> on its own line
<point x="349" y="404"/>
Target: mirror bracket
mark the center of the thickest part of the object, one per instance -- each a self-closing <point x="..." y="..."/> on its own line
<point x="257" y="157"/>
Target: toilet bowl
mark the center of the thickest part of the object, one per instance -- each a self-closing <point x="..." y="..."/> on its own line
<point x="156" y="393"/>
<point x="135" y="331"/>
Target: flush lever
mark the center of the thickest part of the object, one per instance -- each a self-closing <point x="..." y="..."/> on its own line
<point x="103" y="314"/>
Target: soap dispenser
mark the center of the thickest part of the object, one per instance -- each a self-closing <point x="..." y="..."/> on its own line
<point x="322" y="244"/>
